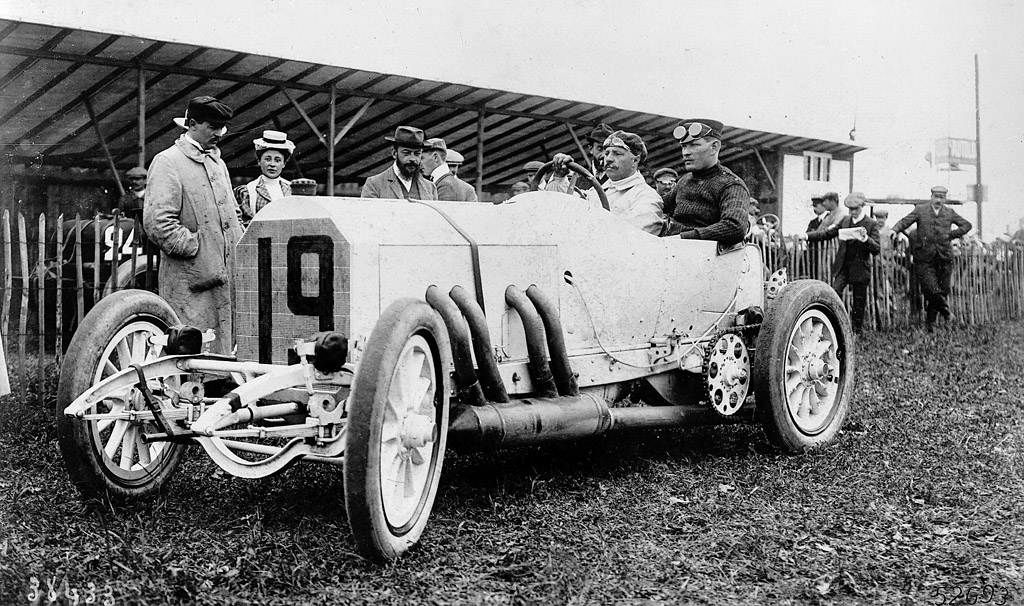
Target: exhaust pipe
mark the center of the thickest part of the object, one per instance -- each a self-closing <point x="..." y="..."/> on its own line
<point x="540" y="372"/>
<point x="565" y="380"/>
<point x="490" y="379"/>
<point x="466" y="384"/>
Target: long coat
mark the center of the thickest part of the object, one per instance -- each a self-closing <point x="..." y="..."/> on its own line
<point x="934" y="236"/>
<point x="192" y="216"/>
<point x="852" y="256"/>
<point x="452" y="188"/>
<point x="386" y="185"/>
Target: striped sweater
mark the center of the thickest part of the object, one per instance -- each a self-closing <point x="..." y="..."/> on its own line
<point x="708" y="204"/>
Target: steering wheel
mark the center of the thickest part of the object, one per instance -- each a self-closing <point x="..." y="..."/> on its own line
<point x="579" y="170"/>
<point x="768" y="222"/>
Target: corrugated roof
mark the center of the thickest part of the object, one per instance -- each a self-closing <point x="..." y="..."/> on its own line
<point x="50" y="78"/>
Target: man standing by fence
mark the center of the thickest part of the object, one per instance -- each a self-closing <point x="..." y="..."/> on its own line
<point x="191" y="214"/>
<point x="933" y="251"/>
<point x="858" y="240"/>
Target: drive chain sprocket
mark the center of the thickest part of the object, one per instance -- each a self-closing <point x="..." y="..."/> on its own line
<point x="727" y="369"/>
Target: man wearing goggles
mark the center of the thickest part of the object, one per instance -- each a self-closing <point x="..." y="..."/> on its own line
<point x="629" y="195"/>
<point x="709" y="202"/>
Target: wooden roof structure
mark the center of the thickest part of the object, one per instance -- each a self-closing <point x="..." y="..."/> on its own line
<point x="75" y="98"/>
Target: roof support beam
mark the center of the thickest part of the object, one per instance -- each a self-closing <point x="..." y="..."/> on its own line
<point x="352" y="121"/>
<point x="305" y="116"/>
<point x="575" y="140"/>
<point x="767" y="172"/>
<point x="330" y="142"/>
<point x="103" y="143"/>
<point x="142" y="117"/>
<point x="479" y="153"/>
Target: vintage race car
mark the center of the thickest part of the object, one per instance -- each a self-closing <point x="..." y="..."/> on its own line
<point x="373" y="334"/>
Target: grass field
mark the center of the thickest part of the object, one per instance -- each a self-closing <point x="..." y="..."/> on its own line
<point x="921" y="497"/>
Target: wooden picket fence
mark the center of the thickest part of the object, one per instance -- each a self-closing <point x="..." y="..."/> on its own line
<point x="51" y="278"/>
<point x="53" y="273"/>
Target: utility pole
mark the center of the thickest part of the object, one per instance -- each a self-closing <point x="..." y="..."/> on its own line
<point x="979" y="191"/>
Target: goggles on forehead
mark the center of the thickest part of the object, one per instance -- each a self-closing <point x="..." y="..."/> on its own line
<point x="691" y="131"/>
<point x="614" y="141"/>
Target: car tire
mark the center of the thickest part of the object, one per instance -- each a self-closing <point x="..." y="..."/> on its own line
<point x="397" y="429"/>
<point x="107" y="459"/>
<point x="804" y="367"/>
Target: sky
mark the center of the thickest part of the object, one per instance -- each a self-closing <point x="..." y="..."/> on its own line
<point x="901" y="72"/>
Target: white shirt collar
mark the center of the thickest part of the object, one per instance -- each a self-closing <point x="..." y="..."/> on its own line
<point x="273" y="187"/>
<point x="194" y="142"/>
<point x="624" y="184"/>
<point x="406" y="182"/>
<point x="441" y="170"/>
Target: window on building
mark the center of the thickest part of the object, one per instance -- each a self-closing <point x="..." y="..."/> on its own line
<point x="817" y="167"/>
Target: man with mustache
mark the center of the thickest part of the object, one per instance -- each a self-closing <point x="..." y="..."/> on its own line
<point x="402" y="180"/>
<point x="191" y="214"/>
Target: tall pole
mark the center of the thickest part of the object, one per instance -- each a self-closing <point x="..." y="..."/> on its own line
<point x="330" y="142"/>
<point x="979" y="192"/>
<point x="142" y="117"/>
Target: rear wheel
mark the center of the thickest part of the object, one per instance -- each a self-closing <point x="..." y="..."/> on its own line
<point x="803" y="367"/>
<point x="397" y="430"/>
<point x="107" y="458"/>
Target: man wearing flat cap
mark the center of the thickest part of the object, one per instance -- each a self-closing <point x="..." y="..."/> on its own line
<point x="858" y="240"/>
<point x="134" y="199"/>
<point x="664" y="180"/>
<point x="932" y="250"/>
<point x="454" y="161"/>
<point x="833" y="210"/>
<point x="402" y="180"/>
<point x="434" y="166"/>
<point x="629" y="195"/>
<point x="191" y="214"/>
<point x="273" y="150"/>
<point x="709" y="202"/>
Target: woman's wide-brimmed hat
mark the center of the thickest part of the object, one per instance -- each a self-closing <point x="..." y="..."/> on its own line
<point x="274" y="139"/>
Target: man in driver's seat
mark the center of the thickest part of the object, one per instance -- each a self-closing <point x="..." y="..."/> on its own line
<point x="709" y="202"/>
<point x="629" y="195"/>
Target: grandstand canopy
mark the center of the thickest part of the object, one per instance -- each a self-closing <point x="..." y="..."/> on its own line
<point x="71" y="98"/>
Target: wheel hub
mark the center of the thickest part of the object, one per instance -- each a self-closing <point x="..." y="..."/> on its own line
<point x="417" y="431"/>
<point x="815" y="369"/>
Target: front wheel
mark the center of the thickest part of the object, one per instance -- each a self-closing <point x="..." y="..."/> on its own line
<point x="803" y="367"/>
<point x="397" y="429"/>
<point x="107" y="458"/>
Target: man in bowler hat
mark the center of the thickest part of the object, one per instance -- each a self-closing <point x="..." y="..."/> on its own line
<point x="191" y="214"/>
<point x="402" y="180"/>
<point x="933" y="250"/>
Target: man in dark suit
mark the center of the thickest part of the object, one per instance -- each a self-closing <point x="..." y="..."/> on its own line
<point x="933" y="251"/>
<point x="818" y="206"/>
<point x="402" y="180"/>
<point x="858" y="240"/>
<point x="435" y="168"/>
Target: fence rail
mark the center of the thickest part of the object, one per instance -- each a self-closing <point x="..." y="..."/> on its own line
<point x="54" y="270"/>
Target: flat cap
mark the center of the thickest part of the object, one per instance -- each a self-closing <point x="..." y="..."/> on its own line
<point x="600" y="133"/>
<point x="206" y="109"/>
<point x="454" y="157"/>
<point x="830" y="195"/>
<point x="629" y="141"/>
<point x="435" y="143"/>
<point x="665" y="171"/>
<point x="938" y="189"/>
<point x="532" y="166"/>
<point x="856" y="199"/>
<point x="135" y="171"/>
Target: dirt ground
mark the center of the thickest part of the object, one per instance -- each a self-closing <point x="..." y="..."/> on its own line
<point x="917" y="502"/>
